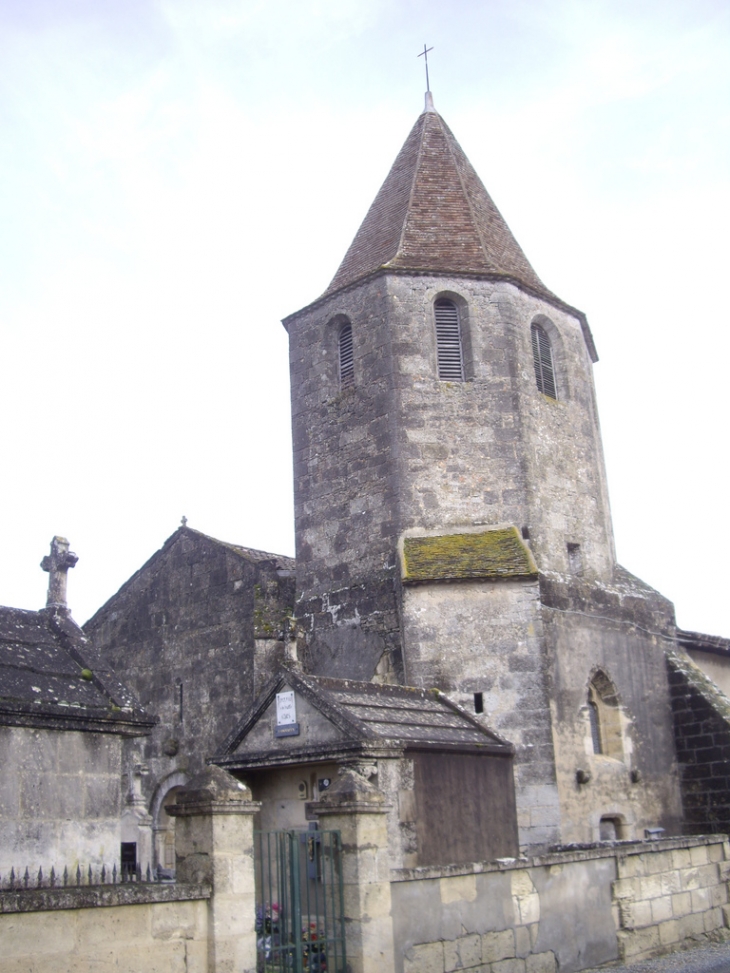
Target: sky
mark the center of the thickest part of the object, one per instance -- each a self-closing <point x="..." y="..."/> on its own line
<point x="176" y="176"/>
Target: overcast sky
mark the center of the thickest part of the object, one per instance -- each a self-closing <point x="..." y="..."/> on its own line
<point x="178" y="175"/>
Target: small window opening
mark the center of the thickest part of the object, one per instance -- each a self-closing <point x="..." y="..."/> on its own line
<point x="575" y="559"/>
<point x="595" y="727"/>
<point x="347" y="366"/>
<point x="609" y="829"/>
<point x="604" y="715"/>
<point x="478" y="702"/>
<point x="448" y="341"/>
<point x="525" y="533"/>
<point x="542" y="358"/>
<point x="129" y="858"/>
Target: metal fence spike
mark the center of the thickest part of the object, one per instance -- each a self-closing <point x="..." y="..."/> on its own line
<point x="78" y="874"/>
<point x="91" y="875"/>
<point x="53" y="877"/>
<point x="149" y="877"/>
<point x="114" y="873"/>
<point x="65" y="876"/>
<point x="40" y="877"/>
<point x="12" y="878"/>
<point x="26" y="877"/>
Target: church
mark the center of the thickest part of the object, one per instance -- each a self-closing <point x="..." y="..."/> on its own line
<point x="459" y="629"/>
<point x="455" y="627"/>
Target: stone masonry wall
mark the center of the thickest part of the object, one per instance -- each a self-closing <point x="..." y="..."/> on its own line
<point x="566" y="912"/>
<point x="156" y="929"/>
<point x="618" y="629"/>
<point x="59" y="798"/>
<point x="181" y="633"/>
<point x="702" y="734"/>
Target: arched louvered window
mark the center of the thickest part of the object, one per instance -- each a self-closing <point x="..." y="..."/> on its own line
<point x="542" y="357"/>
<point x="448" y="341"/>
<point x="347" y="368"/>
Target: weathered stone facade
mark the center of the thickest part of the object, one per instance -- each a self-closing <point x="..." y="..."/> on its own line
<point x="399" y="453"/>
<point x="187" y="633"/>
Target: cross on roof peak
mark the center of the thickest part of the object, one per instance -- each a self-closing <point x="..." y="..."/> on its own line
<point x="57" y="563"/>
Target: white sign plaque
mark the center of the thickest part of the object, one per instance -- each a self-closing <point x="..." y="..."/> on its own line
<point x="286" y="709"/>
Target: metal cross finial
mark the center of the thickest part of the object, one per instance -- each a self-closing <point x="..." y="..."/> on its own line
<point x="424" y="55"/>
<point x="184" y="520"/>
<point x="57" y="565"/>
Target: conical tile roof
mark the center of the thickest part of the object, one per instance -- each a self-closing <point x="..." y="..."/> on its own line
<point x="434" y="215"/>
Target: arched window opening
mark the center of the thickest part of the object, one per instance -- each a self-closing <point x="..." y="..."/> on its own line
<point x="448" y="341"/>
<point x="610" y="828"/>
<point x="604" y="715"/>
<point x="542" y="358"/>
<point x="347" y="366"/>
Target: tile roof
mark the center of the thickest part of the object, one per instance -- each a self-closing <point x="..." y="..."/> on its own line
<point x="52" y="676"/>
<point x="433" y="214"/>
<point x="369" y="718"/>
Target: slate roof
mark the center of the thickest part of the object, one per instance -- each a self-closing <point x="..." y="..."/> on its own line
<point x="715" y="644"/>
<point x="370" y="718"/>
<point x="44" y="659"/>
<point x="433" y="215"/>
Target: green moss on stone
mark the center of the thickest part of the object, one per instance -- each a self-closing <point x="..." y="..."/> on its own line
<point x="87" y="674"/>
<point x="497" y="553"/>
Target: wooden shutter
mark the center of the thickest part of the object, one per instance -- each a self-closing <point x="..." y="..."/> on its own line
<point x="542" y="358"/>
<point x="448" y="341"/>
<point x="347" y="367"/>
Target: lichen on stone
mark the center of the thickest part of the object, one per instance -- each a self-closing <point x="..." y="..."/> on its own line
<point x="495" y="553"/>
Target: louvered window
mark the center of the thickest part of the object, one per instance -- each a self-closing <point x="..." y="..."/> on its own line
<point x="542" y="357"/>
<point x="347" y="368"/>
<point x="448" y="341"/>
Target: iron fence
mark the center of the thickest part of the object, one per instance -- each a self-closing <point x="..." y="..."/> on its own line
<point x="300" y="925"/>
<point x="76" y="877"/>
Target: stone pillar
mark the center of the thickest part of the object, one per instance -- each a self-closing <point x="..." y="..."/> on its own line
<point x="214" y="845"/>
<point x="357" y="809"/>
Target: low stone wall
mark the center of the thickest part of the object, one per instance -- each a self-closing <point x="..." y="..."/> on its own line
<point x="569" y="911"/>
<point x="124" y="929"/>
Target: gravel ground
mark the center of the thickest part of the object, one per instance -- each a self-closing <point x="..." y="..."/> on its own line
<point x="705" y="958"/>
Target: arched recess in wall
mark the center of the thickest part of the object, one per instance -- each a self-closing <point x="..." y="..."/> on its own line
<point x="454" y="362"/>
<point x="548" y="358"/>
<point x="163" y="826"/>
<point x="604" y="714"/>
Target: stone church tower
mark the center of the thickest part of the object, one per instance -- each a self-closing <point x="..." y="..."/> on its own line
<point x="452" y="519"/>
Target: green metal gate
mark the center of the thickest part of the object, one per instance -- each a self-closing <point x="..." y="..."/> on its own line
<point x="300" y="926"/>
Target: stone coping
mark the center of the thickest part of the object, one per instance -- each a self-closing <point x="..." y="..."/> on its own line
<point x="579" y="853"/>
<point x="97" y="896"/>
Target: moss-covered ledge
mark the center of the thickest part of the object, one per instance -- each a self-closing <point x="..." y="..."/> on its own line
<point x="98" y="896"/>
<point x="490" y="553"/>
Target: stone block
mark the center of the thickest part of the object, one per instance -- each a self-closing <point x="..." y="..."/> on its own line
<point x="640" y="942"/>
<point x="650" y="887"/>
<point x="523" y="940"/>
<point x="463" y="953"/>
<point x="713" y="919"/>
<point x="196" y="957"/>
<point x="698" y="855"/>
<point x="681" y="858"/>
<point x="36" y="933"/>
<point x="689" y="879"/>
<point x="658" y="861"/>
<point x="670" y="882"/>
<point x="691" y="925"/>
<point x="718" y="895"/>
<point x="541" y="963"/>
<point x="631" y="866"/>
<point x="424" y="958"/>
<point x="726" y="916"/>
<point x="715" y="853"/>
<point x="681" y="904"/>
<point x="626" y="888"/>
<point x="661" y="909"/>
<point x="641" y="914"/>
<point x="509" y="966"/>
<point x="177" y="920"/>
<point x="669" y="932"/>
<point x="708" y="875"/>
<point x="700" y="900"/>
<point x="497" y="946"/>
<point x="119" y="924"/>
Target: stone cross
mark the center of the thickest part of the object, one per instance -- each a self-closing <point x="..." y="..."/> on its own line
<point x="57" y="565"/>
